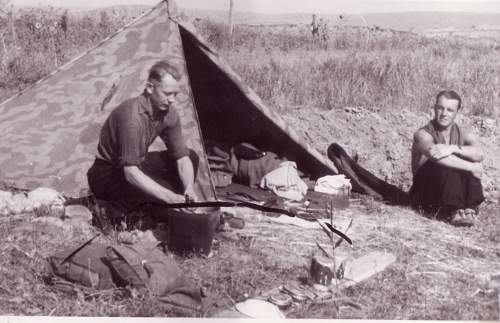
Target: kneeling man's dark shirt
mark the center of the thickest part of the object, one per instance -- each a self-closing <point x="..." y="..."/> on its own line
<point x="124" y="141"/>
<point x="132" y="127"/>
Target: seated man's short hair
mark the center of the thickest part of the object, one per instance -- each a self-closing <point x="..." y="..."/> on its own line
<point x="450" y="95"/>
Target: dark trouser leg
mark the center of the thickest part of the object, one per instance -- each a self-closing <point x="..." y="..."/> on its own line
<point x="163" y="169"/>
<point x="436" y="186"/>
<point x="105" y="181"/>
<point x="108" y="183"/>
<point x="474" y="194"/>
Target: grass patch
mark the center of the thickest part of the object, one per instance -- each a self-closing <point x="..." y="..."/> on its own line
<point x="435" y="276"/>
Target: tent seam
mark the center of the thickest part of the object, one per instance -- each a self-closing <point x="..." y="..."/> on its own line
<point x="195" y="111"/>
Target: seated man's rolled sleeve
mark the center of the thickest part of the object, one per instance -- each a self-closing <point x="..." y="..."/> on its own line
<point x="174" y="140"/>
<point x="132" y="153"/>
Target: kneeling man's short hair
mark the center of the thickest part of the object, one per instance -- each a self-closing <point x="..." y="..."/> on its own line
<point x="160" y="68"/>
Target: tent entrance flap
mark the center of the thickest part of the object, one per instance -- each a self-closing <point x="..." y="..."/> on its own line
<point x="231" y="113"/>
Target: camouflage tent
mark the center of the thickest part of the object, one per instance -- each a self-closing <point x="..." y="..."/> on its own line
<point x="50" y="131"/>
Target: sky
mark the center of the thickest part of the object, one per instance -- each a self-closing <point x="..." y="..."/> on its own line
<point x="294" y="6"/>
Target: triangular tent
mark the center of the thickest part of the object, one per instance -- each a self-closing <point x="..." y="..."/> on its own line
<point x="50" y="131"/>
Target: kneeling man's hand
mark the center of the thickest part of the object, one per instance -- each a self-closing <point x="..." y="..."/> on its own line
<point x="174" y="198"/>
<point x="439" y="151"/>
<point x="190" y="194"/>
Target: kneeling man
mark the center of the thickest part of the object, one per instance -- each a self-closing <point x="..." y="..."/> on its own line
<point x="121" y="173"/>
<point x="446" y="165"/>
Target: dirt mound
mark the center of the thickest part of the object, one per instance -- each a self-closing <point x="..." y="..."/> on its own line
<point x="382" y="139"/>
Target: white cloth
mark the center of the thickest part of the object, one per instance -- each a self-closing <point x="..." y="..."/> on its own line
<point x="46" y="196"/>
<point x="285" y="182"/>
<point x="20" y="203"/>
<point x="333" y="184"/>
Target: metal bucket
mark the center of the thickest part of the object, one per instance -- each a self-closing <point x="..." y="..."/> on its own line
<point x="192" y="232"/>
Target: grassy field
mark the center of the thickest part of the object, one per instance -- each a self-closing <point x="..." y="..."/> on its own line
<point x="360" y="67"/>
<point x="35" y="42"/>
<point x="440" y="270"/>
<point x="285" y="65"/>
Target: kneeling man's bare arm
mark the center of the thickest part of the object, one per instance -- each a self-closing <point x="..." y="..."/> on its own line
<point x="136" y="177"/>
<point x="186" y="173"/>
<point x="465" y="158"/>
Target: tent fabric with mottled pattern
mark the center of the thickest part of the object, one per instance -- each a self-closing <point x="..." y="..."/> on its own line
<point x="50" y="130"/>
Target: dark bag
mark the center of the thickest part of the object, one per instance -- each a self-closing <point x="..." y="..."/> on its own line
<point x="144" y="266"/>
<point x="86" y="267"/>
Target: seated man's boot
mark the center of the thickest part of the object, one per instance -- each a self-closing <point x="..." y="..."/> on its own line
<point x="460" y="218"/>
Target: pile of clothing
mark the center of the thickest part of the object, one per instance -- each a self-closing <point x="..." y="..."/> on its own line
<point x="245" y="164"/>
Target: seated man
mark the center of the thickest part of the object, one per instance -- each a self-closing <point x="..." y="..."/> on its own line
<point x="121" y="172"/>
<point x="446" y="165"/>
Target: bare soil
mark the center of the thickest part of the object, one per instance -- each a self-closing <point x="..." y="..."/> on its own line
<point x="382" y="139"/>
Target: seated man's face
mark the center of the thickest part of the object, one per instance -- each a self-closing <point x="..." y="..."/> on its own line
<point x="445" y="111"/>
<point x="163" y="94"/>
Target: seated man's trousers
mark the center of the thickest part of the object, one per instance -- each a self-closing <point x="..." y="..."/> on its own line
<point x="436" y="186"/>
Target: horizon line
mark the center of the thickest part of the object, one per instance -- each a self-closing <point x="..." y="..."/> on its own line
<point x="91" y="8"/>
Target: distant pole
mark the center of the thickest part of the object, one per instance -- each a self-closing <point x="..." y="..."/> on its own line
<point x="231" y="6"/>
<point x="314" y="26"/>
<point x="364" y="20"/>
